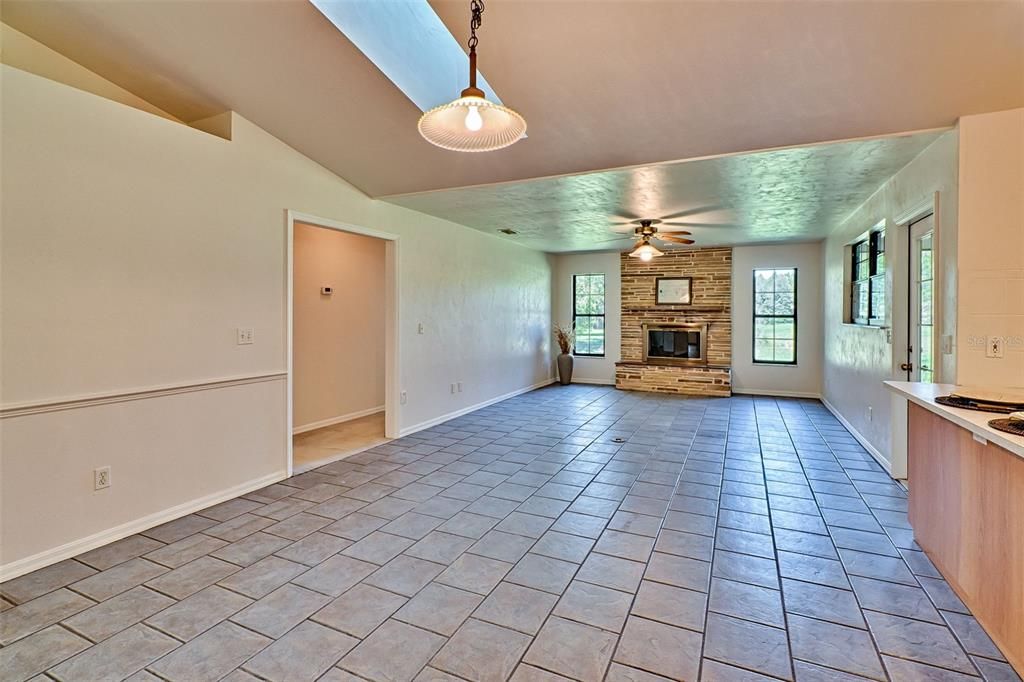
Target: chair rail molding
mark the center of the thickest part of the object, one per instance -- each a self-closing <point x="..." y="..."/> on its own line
<point x="23" y="409"/>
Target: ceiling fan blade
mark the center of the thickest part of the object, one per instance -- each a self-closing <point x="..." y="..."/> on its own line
<point x="713" y="225"/>
<point x="624" y="228"/>
<point x="617" y="239"/>
<point x="674" y="240"/>
<point x="626" y="215"/>
<point x="673" y="232"/>
<point x="693" y="211"/>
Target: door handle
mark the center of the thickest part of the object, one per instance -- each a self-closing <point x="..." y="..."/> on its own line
<point x="907" y="366"/>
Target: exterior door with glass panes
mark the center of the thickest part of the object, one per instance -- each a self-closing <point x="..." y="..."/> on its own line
<point x="920" y="363"/>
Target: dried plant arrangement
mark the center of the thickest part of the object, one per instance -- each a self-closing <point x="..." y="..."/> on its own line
<point x="565" y="337"/>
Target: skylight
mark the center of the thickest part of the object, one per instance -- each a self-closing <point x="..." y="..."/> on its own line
<point x="410" y="44"/>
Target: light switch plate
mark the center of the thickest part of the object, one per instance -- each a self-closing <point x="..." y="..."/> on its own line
<point x="245" y="336"/>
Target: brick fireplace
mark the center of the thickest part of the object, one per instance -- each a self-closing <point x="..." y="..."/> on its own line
<point x="677" y="348"/>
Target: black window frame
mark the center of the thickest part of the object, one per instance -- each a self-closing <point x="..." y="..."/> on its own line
<point x="773" y="316"/>
<point x="575" y="315"/>
<point x="873" y="281"/>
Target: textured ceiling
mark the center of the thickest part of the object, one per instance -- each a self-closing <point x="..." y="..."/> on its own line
<point x="784" y="195"/>
<point x="603" y="84"/>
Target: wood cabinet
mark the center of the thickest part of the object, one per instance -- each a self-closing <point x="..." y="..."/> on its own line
<point x="967" y="510"/>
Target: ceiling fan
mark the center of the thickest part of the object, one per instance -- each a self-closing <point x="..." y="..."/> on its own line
<point x="646" y="229"/>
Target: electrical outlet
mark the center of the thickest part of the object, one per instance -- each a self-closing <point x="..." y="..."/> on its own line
<point x="403" y="398"/>
<point x="460" y="386"/>
<point x="245" y="336"/>
<point x="419" y="328"/>
<point x="870" y="415"/>
<point x="101" y="478"/>
<point x="994" y="347"/>
<point x="453" y="388"/>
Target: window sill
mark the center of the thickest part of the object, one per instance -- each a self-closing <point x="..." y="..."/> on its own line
<point x="857" y="325"/>
<point x="793" y="365"/>
<point x="589" y="357"/>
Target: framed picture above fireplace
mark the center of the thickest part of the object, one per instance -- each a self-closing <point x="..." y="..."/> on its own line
<point x="673" y="291"/>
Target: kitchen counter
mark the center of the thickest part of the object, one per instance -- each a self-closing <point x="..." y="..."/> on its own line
<point x="972" y="420"/>
<point x="966" y="507"/>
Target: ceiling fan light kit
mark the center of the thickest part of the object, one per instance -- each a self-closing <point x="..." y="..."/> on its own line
<point x="472" y="123"/>
<point x="645" y="251"/>
<point x="647" y="231"/>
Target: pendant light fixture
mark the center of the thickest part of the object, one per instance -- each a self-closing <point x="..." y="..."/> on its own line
<point x="472" y="123"/>
<point x="645" y="251"/>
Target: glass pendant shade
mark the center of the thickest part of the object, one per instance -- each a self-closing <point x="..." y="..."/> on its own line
<point x="472" y="124"/>
<point x="645" y="252"/>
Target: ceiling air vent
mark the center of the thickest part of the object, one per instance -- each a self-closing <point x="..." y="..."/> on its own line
<point x="508" y="231"/>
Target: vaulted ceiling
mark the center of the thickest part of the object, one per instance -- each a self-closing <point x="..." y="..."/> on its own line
<point x="603" y="84"/>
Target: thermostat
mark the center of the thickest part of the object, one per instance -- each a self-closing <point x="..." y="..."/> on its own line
<point x="326" y="291"/>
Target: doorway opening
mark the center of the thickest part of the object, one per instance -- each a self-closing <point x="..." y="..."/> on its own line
<point x="342" y="346"/>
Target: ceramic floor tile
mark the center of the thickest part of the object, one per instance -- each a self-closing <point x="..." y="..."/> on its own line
<point x="748" y="645"/>
<point x="572" y="649"/>
<point x="118" y="657"/>
<point x="672" y="605"/>
<point x="113" y="615"/>
<point x="376" y="658"/>
<point x="32" y="655"/>
<point x="212" y="655"/>
<point x="516" y="607"/>
<point x="32" y="616"/>
<point x="280" y="610"/>
<point x="303" y="654"/>
<point x="660" y="649"/>
<point x="194" y="615"/>
<point x="542" y="547"/>
<point x="360" y="610"/>
<point x="439" y="608"/>
<point x="590" y="604"/>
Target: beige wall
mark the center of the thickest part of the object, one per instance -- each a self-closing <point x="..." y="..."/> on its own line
<point x="133" y="248"/>
<point x="858" y="359"/>
<point x="991" y="255"/>
<point x="588" y="369"/>
<point x="21" y="51"/>
<point x="803" y="379"/>
<point x="338" y="343"/>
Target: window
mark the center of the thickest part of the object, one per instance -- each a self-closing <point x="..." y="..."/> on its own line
<point x="588" y="314"/>
<point x="775" y="316"/>
<point x="867" y="280"/>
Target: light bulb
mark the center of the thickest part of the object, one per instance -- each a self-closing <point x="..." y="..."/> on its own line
<point x="473" y="120"/>
<point x="646" y="256"/>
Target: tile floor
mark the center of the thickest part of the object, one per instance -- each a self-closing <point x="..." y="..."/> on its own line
<point x="573" y="532"/>
<point x="316" y="448"/>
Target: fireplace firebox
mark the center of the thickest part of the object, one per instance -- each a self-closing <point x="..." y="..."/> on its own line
<point x="679" y="344"/>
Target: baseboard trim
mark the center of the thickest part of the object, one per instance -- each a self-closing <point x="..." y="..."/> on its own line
<point x="879" y="457"/>
<point x="594" y="382"/>
<point x="76" y="547"/>
<point x="466" y="410"/>
<point x="777" y="394"/>
<point x="313" y="426"/>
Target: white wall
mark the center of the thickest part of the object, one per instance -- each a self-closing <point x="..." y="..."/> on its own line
<point x="991" y="255"/>
<point x="803" y="379"/>
<point x="339" y="341"/>
<point x="858" y="359"/>
<point x="133" y="247"/>
<point x="588" y="369"/>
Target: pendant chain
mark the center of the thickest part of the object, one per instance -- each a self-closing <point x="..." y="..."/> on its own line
<point x="476" y="7"/>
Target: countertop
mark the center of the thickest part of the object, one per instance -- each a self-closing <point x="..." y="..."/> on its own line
<point x="972" y="420"/>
